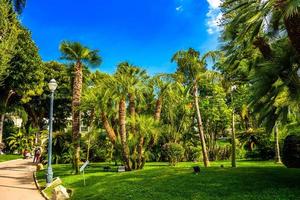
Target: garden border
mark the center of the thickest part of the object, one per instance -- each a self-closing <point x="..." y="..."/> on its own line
<point x="39" y="187"/>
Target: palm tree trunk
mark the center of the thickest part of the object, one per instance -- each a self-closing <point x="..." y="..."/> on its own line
<point x="109" y="130"/>
<point x="233" y="153"/>
<point x="292" y="25"/>
<point x="277" y="149"/>
<point x="88" y="149"/>
<point x="263" y="47"/>
<point x="132" y="112"/>
<point x="140" y="153"/>
<point x="132" y="105"/>
<point x="200" y="127"/>
<point x="77" y="87"/>
<point x="122" y="121"/>
<point x="1" y="126"/>
<point x="158" y="109"/>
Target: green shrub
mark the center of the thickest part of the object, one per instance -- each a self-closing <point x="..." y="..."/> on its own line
<point x="174" y="152"/>
<point x="264" y="150"/>
<point x="219" y="153"/>
<point x="195" y="153"/>
<point x="291" y="151"/>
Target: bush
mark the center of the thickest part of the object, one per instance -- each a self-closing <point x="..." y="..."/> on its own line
<point x="194" y="154"/>
<point x="219" y="153"/>
<point x="175" y="152"/>
<point x="291" y="151"/>
<point x="264" y="150"/>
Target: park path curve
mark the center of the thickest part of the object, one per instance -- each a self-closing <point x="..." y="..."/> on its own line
<point x="16" y="181"/>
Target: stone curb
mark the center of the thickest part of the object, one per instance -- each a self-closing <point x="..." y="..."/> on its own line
<point x="39" y="187"/>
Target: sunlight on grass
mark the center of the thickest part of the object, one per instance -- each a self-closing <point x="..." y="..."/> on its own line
<point x="251" y="180"/>
<point x="7" y="157"/>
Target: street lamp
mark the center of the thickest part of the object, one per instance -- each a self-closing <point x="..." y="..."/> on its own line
<point x="52" y="86"/>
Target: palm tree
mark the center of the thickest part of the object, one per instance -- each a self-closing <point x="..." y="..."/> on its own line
<point x="80" y="55"/>
<point x="119" y="86"/>
<point x="135" y="88"/>
<point x="190" y="66"/>
<point x="98" y="98"/>
<point x="163" y="87"/>
<point x="277" y="149"/>
<point x="146" y="129"/>
<point x="247" y="21"/>
<point x="136" y="78"/>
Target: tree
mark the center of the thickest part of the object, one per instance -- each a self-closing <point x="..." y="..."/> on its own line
<point x="9" y="27"/>
<point x="190" y="66"/>
<point x="38" y="107"/>
<point x="80" y="55"/>
<point x="18" y="5"/>
<point x="24" y="75"/>
<point x="163" y="86"/>
<point x="277" y="149"/>
<point x="247" y="20"/>
<point x="98" y="97"/>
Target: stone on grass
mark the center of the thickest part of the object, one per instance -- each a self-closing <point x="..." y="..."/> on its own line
<point x="60" y="193"/>
<point x="56" y="182"/>
<point x="121" y="169"/>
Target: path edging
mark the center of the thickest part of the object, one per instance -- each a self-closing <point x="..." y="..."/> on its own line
<point x="4" y="162"/>
<point x="39" y="187"/>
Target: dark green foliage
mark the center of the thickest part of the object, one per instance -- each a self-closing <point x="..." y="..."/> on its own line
<point x="174" y="152"/>
<point x="291" y="151"/>
<point x="18" y="5"/>
<point x="220" y="153"/>
<point x="38" y="107"/>
<point x="24" y="74"/>
<point x="9" y="30"/>
<point x="264" y="150"/>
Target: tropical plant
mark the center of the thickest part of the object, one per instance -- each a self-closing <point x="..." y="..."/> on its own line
<point x="189" y="68"/>
<point x="80" y="55"/>
<point x="22" y="140"/>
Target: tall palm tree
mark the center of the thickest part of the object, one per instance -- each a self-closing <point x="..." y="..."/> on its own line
<point x="98" y="98"/>
<point x="163" y="87"/>
<point x="119" y="86"/>
<point x="190" y="66"/>
<point x="277" y="149"/>
<point x="248" y="20"/>
<point x="135" y="78"/>
<point x="80" y="55"/>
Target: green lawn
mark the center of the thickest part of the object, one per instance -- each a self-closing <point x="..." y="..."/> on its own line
<point x="251" y="180"/>
<point x="6" y="157"/>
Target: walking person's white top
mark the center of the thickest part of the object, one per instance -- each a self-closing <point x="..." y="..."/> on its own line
<point x="16" y="181"/>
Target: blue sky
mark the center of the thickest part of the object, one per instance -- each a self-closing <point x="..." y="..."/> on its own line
<point x="144" y="32"/>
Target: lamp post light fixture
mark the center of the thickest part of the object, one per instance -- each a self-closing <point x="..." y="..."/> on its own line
<point x="52" y="86"/>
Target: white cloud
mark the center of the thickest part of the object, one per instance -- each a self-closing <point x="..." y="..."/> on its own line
<point x="179" y="8"/>
<point x="214" y="16"/>
<point x="214" y="4"/>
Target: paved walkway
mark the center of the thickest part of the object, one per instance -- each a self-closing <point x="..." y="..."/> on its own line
<point x="16" y="181"/>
